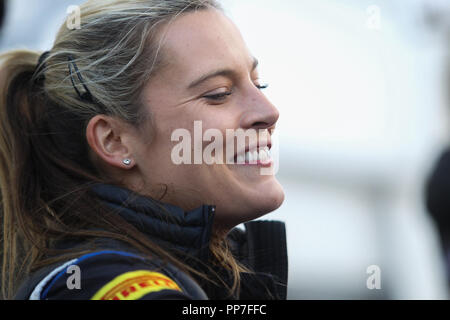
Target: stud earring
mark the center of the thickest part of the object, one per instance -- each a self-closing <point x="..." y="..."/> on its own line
<point x="127" y="162"/>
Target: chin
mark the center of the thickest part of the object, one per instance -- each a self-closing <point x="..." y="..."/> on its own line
<point x="269" y="201"/>
<point x="265" y="196"/>
<point x="249" y="204"/>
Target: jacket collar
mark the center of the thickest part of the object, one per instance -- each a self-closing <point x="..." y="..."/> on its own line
<point x="166" y="224"/>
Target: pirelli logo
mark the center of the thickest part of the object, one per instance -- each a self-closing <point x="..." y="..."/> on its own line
<point x="134" y="285"/>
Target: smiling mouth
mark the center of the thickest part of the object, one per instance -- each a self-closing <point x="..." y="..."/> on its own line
<point x="261" y="157"/>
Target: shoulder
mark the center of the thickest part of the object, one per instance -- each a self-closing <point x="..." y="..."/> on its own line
<point x="116" y="275"/>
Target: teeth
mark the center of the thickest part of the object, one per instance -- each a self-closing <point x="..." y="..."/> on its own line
<point x="252" y="157"/>
<point x="263" y="155"/>
<point x="255" y="156"/>
<point x="248" y="157"/>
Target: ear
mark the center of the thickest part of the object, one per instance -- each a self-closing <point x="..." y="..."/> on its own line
<point x="110" y="139"/>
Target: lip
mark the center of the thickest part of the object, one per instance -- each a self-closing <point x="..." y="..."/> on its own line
<point x="258" y="164"/>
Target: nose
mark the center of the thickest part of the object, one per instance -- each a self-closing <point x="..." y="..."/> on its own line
<point x="259" y="113"/>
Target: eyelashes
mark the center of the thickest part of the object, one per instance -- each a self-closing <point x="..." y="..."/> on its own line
<point x="223" y="96"/>
<point x="263" y="86"/>
<point x="220" y="96"/>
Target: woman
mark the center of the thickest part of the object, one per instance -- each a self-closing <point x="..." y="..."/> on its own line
<point x="95" y="205"/>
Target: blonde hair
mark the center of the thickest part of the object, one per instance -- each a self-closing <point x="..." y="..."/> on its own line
<point x="116" y="50"/>
<point x="44" y="163"/>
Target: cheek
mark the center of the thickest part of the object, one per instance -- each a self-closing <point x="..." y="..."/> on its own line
<point x="202" y="127"/>
<point x="160" y="167"/>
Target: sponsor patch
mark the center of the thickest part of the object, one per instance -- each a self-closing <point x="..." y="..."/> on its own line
<point x="134" y="285"/>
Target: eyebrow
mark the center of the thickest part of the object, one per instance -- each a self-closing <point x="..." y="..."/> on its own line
<point x="217" y="73"/>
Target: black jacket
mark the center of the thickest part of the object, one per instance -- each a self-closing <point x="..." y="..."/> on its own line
<point x="117" y="272"/>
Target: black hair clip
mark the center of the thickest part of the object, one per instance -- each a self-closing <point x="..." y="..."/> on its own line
<point x="87" y="95"/>
<point x="40" y="67"/>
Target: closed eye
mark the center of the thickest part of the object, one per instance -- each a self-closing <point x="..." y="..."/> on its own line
<point x="219" y="97"/>
<point x="223" y="96"/>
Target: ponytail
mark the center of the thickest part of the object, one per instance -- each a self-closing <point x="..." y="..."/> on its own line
<point x="17" y="169"/>
<point x="40" y="147"/>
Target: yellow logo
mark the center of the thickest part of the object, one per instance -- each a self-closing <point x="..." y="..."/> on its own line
<point x="134" y="285"/>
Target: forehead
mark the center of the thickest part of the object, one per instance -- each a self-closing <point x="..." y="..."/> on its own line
<point x="201" y="40"/>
